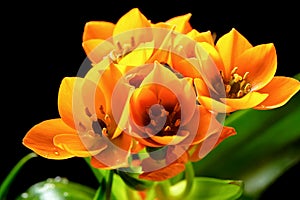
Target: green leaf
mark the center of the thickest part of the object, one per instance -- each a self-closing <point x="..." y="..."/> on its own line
<point x="12" y="174"/>
<point x="211" y="189"/>
<point x="59" y="189"/>
<point x="266" y="145"/>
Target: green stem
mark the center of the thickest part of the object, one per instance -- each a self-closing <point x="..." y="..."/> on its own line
<point x="12" y="174"/>
<point x="163" y="188"/>
<point x="109" y="184"/>
<point x="189" y="177"/>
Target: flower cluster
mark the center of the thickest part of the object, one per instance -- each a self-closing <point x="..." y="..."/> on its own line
<point x="155" y="95"/>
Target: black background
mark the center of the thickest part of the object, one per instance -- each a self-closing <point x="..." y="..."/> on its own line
<point x="41" y="44"/>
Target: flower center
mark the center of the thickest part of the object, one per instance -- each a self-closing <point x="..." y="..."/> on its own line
<point x="237" y="86"/>
<point x="117" y="54"/>
<point x="162" y="122"/>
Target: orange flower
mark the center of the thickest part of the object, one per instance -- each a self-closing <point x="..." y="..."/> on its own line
<point x="86" y="127"/>
<point x="102" y="38"/>
<point x="247" y="73"/>
<point x="165" y="118"/>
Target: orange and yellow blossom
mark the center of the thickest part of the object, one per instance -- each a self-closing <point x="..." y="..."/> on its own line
<point x="133" y="30"/>
<point x="248" y="74"/>
<point x="165" y="118"/>
<point x="86" y="127"/>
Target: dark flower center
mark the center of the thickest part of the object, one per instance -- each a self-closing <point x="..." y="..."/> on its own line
<point x="237" y="86"/>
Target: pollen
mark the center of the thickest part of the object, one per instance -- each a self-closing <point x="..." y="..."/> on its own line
<point x="237" y="86"/>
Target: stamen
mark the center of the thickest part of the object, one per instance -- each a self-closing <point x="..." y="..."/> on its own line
<point x="107" y="119"/>
<point x="132" y="41"/>
<point x="177" y="123"/>
<point x="239" y="94"/>
<point x="119" y="46"/>
<point x="245" y="75"/>
<point x="234" y="70"/>
<point x="237" y="86"/>
<point x="87" y="112"/>
<point x="168" y="128"/>
<point x="104" y="132"/>
<point x="227" y="88"/>
<point x="102" y="109"/>
<point x="81" y="126"/>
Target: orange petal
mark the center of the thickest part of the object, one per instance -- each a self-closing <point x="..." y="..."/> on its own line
<point x="201" y="87"/>
<point x="171" y="140"/>
<point x="214" y="105"/>
<point x="97" y="30"/>
<point x="201" y="37"/>
<point x="214" y="54"/>
<point x="132" y="20"/>
<point x="40" y="139"/>
<point x="281" y="90"/>
<point x="115" y="155"/>
<point x="202" y="125"/>
<point x="250" y="100"/>
<point x="66" y="101"/>
<point x="80" y="146"/>
<point x="187" y="67"/>
<point x="182" y="24"/>
<point x="96" y="49"/>
<point x="231" y="46"/>
<point x="162" y="25"/>
<point x="139" y="55"/>
<point x="261" y="63"/>
<point x="210" y="73"/>
<point x="179" y="87"/>
<point x="199" y="151"/>
<point x="163" y="173"/>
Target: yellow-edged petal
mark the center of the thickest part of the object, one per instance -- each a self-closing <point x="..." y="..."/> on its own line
<point x="214" y="105"/>
<point x="231" y="46"/>
<point x="97" y="30"/>
<point x="281" y="90"/>
<point x="182" y="24"/>
<point x="96" y="49"/>
<point x="171" y="140"/>
<point x="40" y="139"/>
<point x="138" y="56"/>
<point x="261" y="63"/>
<point x="70" y="107"/>
<point x="201" y="37"/>
<point x="115" y="155"/>
<point x="132" y="20"/>
<point x="199" y="151"/>
<point x="250" y="100"/>
<point x="80" y="146"/>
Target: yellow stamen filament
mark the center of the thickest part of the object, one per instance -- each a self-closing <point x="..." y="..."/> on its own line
<point x="237" y="86"/>
<point x="121" y="50"/>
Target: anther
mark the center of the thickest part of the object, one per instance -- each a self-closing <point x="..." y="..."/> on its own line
<point x="234" y="70"/>
<point x="107" y="119"/>
<point x="239" y="94"/>
<point x="167" y="128"/>
<point x="227" y="88"/>
<point x="102" y="109"/>
<point x="177" y="122"/>
<point x="247" y="88"/>
<point x="132" y="41"/>
<point x="119" y="45"/>
<point x="237" y="78"/>
<point x="104" y="131"/>
<point x="245" y="75"/>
